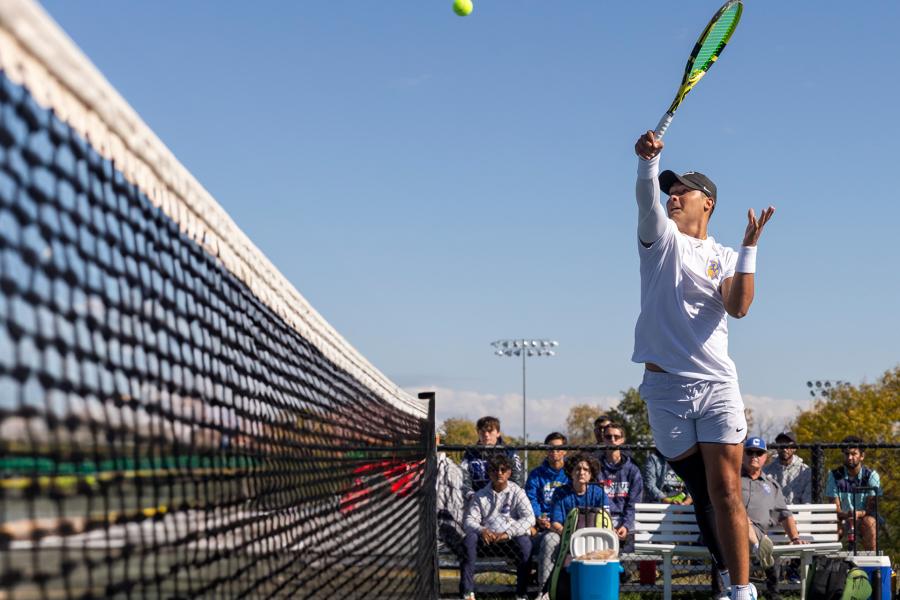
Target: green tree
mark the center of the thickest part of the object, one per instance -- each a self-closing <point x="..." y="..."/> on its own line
<point x="872" y="412"/>
<point x="458" y="431"/>
<point x="580" y="423"/>
<point x="631" y="412"/>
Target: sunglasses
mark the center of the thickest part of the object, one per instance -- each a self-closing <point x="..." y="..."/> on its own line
<point x="755" y="453"/>
<point x="613" y="437"/>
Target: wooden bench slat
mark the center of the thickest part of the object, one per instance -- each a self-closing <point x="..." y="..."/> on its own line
<point x="670" y="527"/>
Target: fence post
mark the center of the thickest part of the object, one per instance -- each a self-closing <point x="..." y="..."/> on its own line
<point x="429" y="537"/>
<point x="818" y="473"/>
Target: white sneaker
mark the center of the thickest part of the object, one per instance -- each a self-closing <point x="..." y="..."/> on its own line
<point x="752" y="593"/>
<point x="469" y="596"/>
<point x="764" y="553"/>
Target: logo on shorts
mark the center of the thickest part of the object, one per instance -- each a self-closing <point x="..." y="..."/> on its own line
<point x="713" y="268"/>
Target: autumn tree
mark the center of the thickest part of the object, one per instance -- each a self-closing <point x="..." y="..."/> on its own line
<point x="458" y="431"/>
<point x="580" y="423"/>
<point x="872" y="412"/>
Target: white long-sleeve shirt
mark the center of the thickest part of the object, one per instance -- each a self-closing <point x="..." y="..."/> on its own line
<point x="683" y="324"/>
<point x="506" y="512"/>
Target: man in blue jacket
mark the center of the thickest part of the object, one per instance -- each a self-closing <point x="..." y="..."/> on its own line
<point x="622" y="481"/>
<point x="543" y="481"/>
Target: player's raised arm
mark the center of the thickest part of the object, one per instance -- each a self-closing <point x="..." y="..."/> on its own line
<point x="651" y="215"/>
<point x="737" y="291"/>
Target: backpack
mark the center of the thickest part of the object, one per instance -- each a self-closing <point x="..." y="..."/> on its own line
<point x="836" y="579"/>
<point x="560" y="587"/>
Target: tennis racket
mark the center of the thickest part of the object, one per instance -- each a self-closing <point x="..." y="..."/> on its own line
<point x="706" y="51"/>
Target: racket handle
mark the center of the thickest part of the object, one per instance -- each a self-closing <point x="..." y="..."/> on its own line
<point x="663" y="125"/>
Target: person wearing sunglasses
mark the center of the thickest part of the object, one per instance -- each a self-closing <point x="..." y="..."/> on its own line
<point x="766" y="507"/>
<point x="622" y="481"/>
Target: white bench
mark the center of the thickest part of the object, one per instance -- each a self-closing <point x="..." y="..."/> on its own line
<point x="670" y="530"/>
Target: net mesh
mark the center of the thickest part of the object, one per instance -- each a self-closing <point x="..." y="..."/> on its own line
<point x="165" y="430"/>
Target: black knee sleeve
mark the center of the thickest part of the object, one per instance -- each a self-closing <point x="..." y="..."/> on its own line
<point x="693" y="472"/>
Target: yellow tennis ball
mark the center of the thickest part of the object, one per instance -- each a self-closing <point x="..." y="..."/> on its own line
<point x="462" y="7"/>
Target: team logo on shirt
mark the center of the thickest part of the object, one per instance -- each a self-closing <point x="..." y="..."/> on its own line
<point x="713" y="268"/>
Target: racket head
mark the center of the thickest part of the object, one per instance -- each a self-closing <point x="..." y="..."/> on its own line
<point x="708" y="48"/>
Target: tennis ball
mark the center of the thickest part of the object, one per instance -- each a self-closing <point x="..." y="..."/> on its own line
<point x="462" y="7"/>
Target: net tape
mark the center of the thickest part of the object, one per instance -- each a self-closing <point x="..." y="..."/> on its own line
<point x="165" y="431"/>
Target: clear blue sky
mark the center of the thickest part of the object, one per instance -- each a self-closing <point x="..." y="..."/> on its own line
<point x="432" y="183"/>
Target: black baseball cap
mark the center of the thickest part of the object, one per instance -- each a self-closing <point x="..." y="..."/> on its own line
<point x="788" y="436"/>
<point x="692" y="179"/>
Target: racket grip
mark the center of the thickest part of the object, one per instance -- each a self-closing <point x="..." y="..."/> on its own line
<point x="663" y="125"/>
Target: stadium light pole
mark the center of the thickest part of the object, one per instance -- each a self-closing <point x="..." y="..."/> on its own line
<point x="524" y="348"/>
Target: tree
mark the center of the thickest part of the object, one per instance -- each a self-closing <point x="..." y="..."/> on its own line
<point x="631" y="412"/>
<point x="458" y="431"/>
<point x="872" y="412"/>
<point x="580" y="423"/>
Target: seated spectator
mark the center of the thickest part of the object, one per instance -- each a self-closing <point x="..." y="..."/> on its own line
<point x="582" y="470"/>
<point x="498" y="523"/>
<point x="789" y="471"/>
<point x="661" y="484"/>
<point x="543" y="481"/>
<point x="622" y="481"/>
<point x="843" y="488"/>
<point x="600" y="424"/>
<point x="765" y="507"/>
<point x="475" y="460"/>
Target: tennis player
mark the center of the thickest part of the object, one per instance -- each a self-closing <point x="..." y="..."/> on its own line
<point x="689" y="283"/>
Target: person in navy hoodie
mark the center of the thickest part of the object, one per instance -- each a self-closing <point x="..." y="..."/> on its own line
<point x="622" y="481"/>
<point x="475" y="460"/>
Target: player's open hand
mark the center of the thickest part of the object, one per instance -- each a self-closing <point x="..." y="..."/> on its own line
<point x="755" y="226"/>
<point x="648" y="146"/>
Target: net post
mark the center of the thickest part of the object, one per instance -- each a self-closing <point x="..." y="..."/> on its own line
<point x="429" y="535"/>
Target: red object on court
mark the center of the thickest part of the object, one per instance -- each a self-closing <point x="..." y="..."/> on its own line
<point x="400" y="477"/>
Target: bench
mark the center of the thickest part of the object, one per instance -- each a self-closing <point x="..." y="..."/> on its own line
<point x="670" y="530"/>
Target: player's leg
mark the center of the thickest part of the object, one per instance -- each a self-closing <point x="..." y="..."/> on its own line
<point x="723" y="463"/>
<point x="670" y="408"/>
<point x="692" y="471"/>
<point x="721" y="429"/>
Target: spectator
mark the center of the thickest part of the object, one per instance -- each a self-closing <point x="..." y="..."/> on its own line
<point x="621" y="479"/>
<point x="661" y="484"/>
<point x="498" y="523"/>
<point x="842" y="488"/>
<point x="789" y="471"/>
<point x="600" y="424"/>
<point x="475" y="460"/>
<point x="545" y="479"/>
<point x="582" y="470"/>
<point x="766" y="506"/>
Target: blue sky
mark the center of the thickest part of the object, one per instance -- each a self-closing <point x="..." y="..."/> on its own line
<point x="432" y="183"/>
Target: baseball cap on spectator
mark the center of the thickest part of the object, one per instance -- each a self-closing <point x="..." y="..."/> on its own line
<point x="786" y="437"/>
<point x="755" y="442"/>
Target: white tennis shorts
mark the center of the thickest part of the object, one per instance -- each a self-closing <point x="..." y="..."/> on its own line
<point x="684" y="411"/>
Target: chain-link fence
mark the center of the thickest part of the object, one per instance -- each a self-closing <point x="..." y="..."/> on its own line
<point x="498" y="566"/>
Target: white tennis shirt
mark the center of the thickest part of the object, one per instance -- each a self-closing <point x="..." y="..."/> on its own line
<point x="683" y="325"/>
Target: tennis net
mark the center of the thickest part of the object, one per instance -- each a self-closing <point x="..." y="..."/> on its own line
<point x="175" y="419"/>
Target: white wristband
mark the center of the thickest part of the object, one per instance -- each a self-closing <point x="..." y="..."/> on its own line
<point x="746" y="262"/>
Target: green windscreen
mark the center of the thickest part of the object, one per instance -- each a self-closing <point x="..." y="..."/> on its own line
<point x="717" y="36"/>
